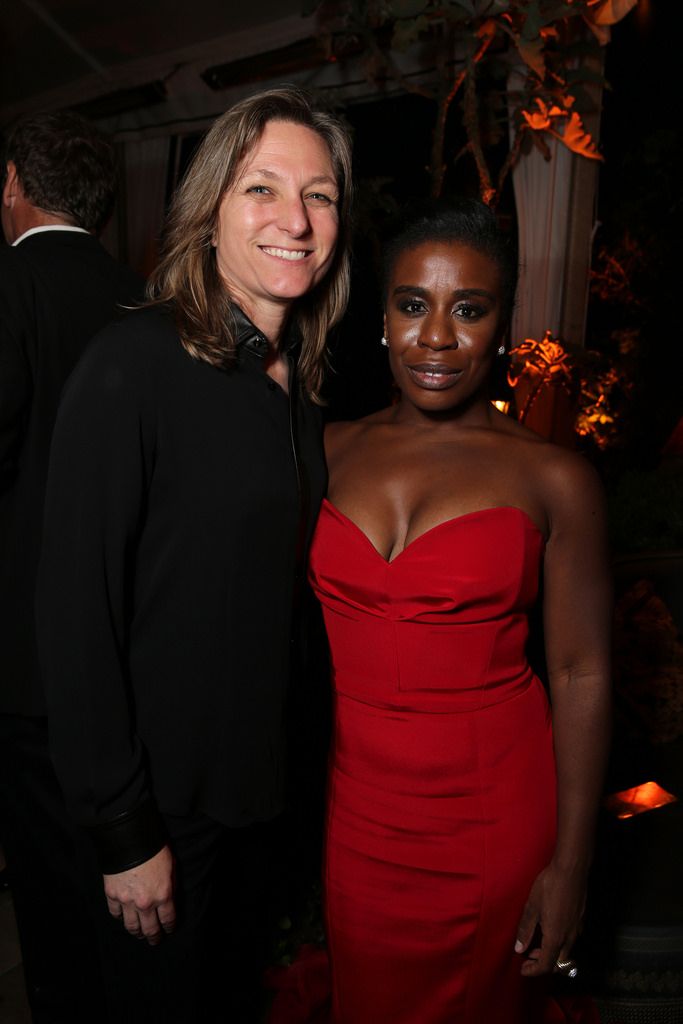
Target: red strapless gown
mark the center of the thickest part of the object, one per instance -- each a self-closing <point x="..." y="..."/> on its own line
<point x="442" y="785"/>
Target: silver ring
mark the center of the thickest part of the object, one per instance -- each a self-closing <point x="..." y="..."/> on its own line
<point x="567" y="967"/>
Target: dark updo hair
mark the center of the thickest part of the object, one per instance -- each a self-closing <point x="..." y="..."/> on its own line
<point x="463" y="221"/>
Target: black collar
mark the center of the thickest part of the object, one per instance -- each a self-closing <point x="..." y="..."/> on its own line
<point x="249" y="337"/>
<point x="246" y="334"/>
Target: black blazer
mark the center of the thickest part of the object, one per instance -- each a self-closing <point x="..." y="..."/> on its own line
<point x="180" y="501"/>
<point x="57" y="289"/>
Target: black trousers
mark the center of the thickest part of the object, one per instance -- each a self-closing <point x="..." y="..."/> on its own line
<point x="80" y="963"/>
<point x="210" y="968"/>
<point x="48" y="859"/>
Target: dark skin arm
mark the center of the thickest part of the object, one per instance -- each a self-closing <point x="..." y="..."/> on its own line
<point x="577" y="615"/>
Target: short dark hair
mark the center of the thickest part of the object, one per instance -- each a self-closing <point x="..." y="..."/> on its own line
<point x="65" y="165"/>
<point x="465" y="221"/>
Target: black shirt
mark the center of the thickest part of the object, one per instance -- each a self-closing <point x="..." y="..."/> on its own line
<point x="171" y="553"/>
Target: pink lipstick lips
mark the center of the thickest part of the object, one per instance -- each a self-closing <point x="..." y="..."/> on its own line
<point x="433" y="376"/>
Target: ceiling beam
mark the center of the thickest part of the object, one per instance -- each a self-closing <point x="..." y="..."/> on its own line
<point x="66" y="37"/>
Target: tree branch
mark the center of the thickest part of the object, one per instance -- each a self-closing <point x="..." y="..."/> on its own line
<point x="438" y="167"/>
<point x="471" y="121"/>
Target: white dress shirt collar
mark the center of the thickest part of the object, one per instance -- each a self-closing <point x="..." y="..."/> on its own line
<point x="48" y="227"/>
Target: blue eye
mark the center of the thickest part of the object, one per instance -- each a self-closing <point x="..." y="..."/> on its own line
<point x="260" y="190"/>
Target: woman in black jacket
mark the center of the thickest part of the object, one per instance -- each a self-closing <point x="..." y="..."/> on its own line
<point x="186" y="473"/>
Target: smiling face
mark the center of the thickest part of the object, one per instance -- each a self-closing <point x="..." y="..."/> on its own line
<point x="442" y="323"/>
<point x="278" y="222"/>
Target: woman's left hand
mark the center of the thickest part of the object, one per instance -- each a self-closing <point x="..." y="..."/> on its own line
<point x="555" y="910"/>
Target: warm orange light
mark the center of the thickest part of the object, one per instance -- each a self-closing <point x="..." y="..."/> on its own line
<point x="644" y="14"/>
<point x="564" y="124"/>
<point x="645" y="797"/>
<point x="501" y="406"/>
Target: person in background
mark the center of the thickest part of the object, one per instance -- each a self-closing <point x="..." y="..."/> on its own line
<point x="58" y="287"/>
<point x="462" y="804"/>
<point x="185" y="478"/>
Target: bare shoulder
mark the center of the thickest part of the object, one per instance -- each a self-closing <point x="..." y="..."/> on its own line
<point x="560" y="472"/>
<point x="559" y="484"/>
<point x="343" y="435"/>
<point x="338" y="436"/>
<point x="570" y="488"/>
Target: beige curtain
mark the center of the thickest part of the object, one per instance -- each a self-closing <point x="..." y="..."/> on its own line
<point x="556" y="217"/>
<point x="543" y="190"/>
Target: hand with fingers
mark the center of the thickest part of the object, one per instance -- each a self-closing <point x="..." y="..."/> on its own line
<point x="551" y="922"/>
<point x="142" y="897"/>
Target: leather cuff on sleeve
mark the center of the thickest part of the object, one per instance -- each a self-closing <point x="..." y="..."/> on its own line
<point x="129" y="839"/>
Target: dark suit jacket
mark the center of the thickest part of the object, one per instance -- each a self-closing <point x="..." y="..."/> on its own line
<point x="57" y="289"/>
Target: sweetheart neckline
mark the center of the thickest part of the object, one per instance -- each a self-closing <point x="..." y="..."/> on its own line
<point x="432" y="529"/>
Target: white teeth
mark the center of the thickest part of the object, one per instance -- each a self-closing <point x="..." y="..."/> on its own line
<point x="286" y="254"/>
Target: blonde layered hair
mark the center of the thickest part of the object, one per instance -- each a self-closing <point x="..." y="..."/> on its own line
<point x="187" y="275"/>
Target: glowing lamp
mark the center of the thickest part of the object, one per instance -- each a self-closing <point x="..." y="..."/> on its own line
<point x="639" y="799"/>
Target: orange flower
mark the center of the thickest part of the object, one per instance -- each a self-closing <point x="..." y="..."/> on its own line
<point x="542" y="120"/>
<point x="576" y="138"/>
<point x="539" y="122"/>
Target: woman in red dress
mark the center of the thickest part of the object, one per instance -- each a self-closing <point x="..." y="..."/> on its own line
<point x="462" y="801"/>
